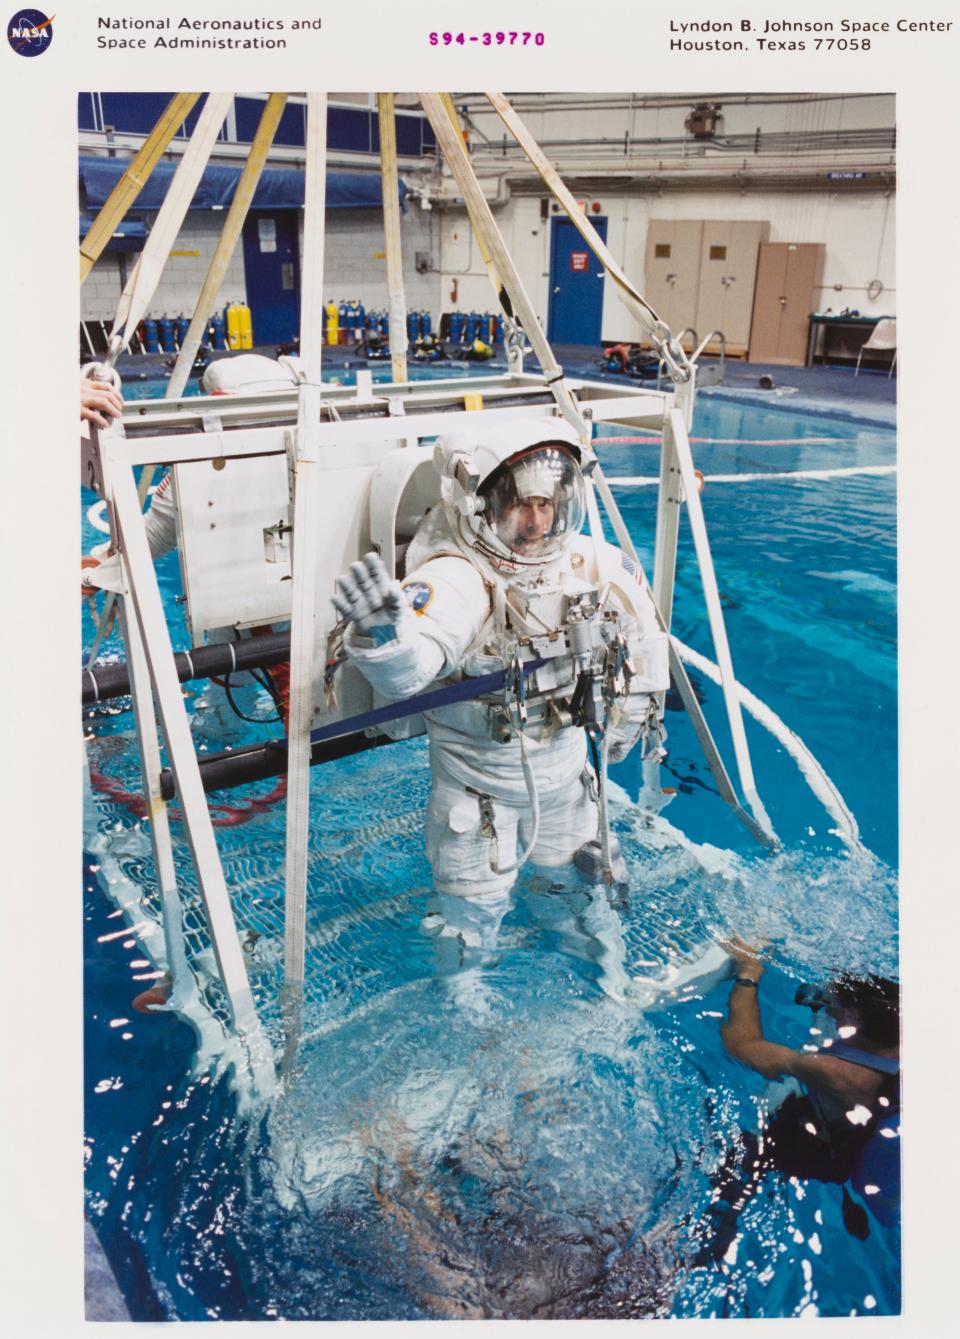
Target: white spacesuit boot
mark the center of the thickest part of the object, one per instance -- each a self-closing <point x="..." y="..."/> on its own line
<point x="587" y="925"/>
<point x="465" y="930"/>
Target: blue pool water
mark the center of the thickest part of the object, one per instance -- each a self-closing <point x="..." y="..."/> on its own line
<point x="337" y="372"/>
<point x="528" y="1139"/>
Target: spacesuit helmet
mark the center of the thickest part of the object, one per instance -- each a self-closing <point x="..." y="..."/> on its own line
<point x="524" y="494"/>
<point x="532" y="503"/>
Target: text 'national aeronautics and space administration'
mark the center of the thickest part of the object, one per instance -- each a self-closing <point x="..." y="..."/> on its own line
<point x="183" y="33"/>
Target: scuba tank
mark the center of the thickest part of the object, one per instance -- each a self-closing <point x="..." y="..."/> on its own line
<point x="181" y="325"/>
<point x="426" y="325"/>
<point x="342" y="323"/>
<point x="232" y="315"/>
<point x="457" y="320"/>
<point x="218" y="331"/>
<point x="151" y="341"/>
<point x="246" y="327"/>
<point x="332" y="322"/>
<point x="498" y="328"/>
<point x="472" y="330"/>
<point x="166" y="335"/>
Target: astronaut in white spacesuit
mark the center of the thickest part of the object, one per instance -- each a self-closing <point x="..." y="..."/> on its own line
<point x="499" y="577"/>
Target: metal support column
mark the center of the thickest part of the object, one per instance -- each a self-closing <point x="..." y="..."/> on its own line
<point x="305" y="546"/>
<point x="684" y="687"/>
<point x="718" y="629"/>
<point x="182" y="979"/>
<point x="148" y="611"/>
<point x="391" y="229"/>
<point x="669" y="497"/>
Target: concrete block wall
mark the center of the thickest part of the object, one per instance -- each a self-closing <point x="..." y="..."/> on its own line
<point x="182" y="277"/>
<point x="354" y="262"/>
<point x="100" y="293"/>
<point x="527" y="239"/>
<point x="354" y="265"/>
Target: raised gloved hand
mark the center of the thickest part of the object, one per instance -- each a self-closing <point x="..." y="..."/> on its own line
<point x="370" y="598"/>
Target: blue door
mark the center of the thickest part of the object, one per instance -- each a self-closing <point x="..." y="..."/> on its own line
<point x="271" y="264"/>
<point x="576" y="285"/>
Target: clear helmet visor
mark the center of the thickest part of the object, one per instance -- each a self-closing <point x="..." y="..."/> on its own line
<point x="534" y="502"/>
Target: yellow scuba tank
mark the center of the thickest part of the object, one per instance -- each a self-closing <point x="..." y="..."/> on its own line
<point x="332" y="323"/>
<point x="233" y="325"/>
<point x="246" y="326"/>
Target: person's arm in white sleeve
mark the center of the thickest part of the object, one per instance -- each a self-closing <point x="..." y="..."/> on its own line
<point x="401" y="638"/>
<point x="99" y="569"/>
<point x="160" y="520"/>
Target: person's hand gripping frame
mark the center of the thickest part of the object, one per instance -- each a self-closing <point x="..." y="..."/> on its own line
<point x="370" y="598"/>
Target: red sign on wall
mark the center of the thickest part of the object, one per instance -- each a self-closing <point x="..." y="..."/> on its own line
<point x="579" y="261"/>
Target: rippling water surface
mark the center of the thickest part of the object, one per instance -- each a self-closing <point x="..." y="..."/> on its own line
<point x="526" y="1129"/>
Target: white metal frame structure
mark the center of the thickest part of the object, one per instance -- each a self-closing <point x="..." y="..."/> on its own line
<point x="332" y="442"/>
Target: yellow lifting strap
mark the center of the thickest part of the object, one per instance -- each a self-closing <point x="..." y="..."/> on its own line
<point x="654" y="328"/>
<point x="130" y="185"/>
<point x="500" y="266"/>
<point x="391" y="231"/>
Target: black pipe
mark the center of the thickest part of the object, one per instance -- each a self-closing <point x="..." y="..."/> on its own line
<point x="200" y="662"/>
<point x="258" y="762"/>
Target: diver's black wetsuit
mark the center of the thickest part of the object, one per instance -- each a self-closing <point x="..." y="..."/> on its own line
<point x="798" y="1140"/>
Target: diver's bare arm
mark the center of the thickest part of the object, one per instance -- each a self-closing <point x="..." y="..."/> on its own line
<point x="742" y="1033"/>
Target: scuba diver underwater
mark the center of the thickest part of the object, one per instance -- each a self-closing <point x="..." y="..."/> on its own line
<point x="839" y="1120"/>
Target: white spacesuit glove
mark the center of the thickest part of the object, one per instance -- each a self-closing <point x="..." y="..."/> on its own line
<point x="370" y="599"/>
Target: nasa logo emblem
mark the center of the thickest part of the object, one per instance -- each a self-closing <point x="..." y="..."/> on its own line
<point x="419" y="594"/>
<point x="30" y="32"/>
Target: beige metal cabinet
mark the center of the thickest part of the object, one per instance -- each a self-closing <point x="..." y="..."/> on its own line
<point x="701" y="273"/>
<point x="673" y="270"/>
<point x="788" y="277"/>
<point x="728" y="268"/>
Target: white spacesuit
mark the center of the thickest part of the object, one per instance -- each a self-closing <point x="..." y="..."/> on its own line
<point x="499" y="577"/>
